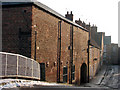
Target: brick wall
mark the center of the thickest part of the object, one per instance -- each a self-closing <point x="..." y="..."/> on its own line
<point x="47" y="36"/>
<point x="46" y="43"/>
<point x="19" y="26"/>
<point x="94" y="61"/>
<point x="80" y="44"/>
<point x="16" y="28"/>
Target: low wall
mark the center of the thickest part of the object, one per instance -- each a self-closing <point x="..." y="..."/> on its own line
<point x="15" y="65"/>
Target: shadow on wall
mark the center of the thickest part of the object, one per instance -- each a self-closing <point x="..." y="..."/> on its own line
<point x="16" y="28"/>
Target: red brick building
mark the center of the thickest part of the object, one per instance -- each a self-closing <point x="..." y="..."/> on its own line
<point x="96" y="46"/>
<point x="56" y="42"/>
<point x="36" y="31"/>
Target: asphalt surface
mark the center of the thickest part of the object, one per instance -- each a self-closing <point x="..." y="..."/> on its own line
<point x="108" y="78"/>
<point x="111" y="77"/>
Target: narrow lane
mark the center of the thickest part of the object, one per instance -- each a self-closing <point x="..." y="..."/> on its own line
<point x="112" y="77"/>
<point x="119" y="76"/>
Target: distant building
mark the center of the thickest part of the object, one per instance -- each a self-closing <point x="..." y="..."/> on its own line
<point x="107" y="40"/>
<point x="114" y="53"/>
<point x="110" y="51"/>
<point x="119" y="55"/>
<point x="98" y="38"/>
<point x="97" y="47"/>
<point x="107" y="49"/>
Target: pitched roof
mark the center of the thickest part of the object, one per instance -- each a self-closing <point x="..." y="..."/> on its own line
<point x="93" y="43"/>
<point x="47" y="9"/>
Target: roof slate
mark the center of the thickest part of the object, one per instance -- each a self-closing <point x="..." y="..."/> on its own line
<point x="93" y="43"/>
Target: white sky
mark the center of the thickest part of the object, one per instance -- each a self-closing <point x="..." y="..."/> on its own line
<point x="102" y="13"/>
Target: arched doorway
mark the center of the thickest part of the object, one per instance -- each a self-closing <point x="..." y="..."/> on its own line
<point x="83" y="73"/>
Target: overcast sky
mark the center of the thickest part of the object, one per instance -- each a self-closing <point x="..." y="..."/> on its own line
<point x="102" y="13"/>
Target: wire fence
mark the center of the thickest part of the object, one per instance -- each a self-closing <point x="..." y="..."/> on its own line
<point x="15" y="65"/>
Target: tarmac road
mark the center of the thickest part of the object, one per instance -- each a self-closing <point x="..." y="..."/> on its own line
<point x="112" y="77"/>
<point x="119" y="77"/>
<point x="107" y="79"/>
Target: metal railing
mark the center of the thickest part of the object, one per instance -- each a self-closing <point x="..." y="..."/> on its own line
<point x="15" y="65"/>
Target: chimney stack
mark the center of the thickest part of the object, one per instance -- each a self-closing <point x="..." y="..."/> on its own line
<point x="69" y="16"/>
<point x="83" y="24"/>
<point x="94" y="28"/>
<point x="88" y="26"/>
<point x="79" y="22"/>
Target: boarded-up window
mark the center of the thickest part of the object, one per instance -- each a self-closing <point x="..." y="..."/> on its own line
<point x="73" y="72"/>
<point x="65" y="74"/>
<point x="42" y="71"/>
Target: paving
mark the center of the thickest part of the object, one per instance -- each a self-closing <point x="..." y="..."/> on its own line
<point x="108" y="78"/>
<point x="99" y="76"/>
<point x="111" y="77"/>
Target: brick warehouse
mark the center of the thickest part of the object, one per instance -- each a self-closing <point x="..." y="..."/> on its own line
<point x="95" y="48"/>
<point x="60" y="45"/>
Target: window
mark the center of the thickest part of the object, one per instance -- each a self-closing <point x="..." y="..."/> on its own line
<point x="25" y="11"/>
<point x="91" y="53"/>
<point x="73" y="72"/>
<point x="42" y="71"/>
<point x="65" y="74"/>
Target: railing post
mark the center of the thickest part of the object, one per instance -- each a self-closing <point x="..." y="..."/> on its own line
<point x="1" y="64"/>
<point x="39" y="70"/>
<point x="6" y="66"/>
<point x="32" y="68"/>
<point x="17" y="64"/>
<point x="25" y="67"/>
